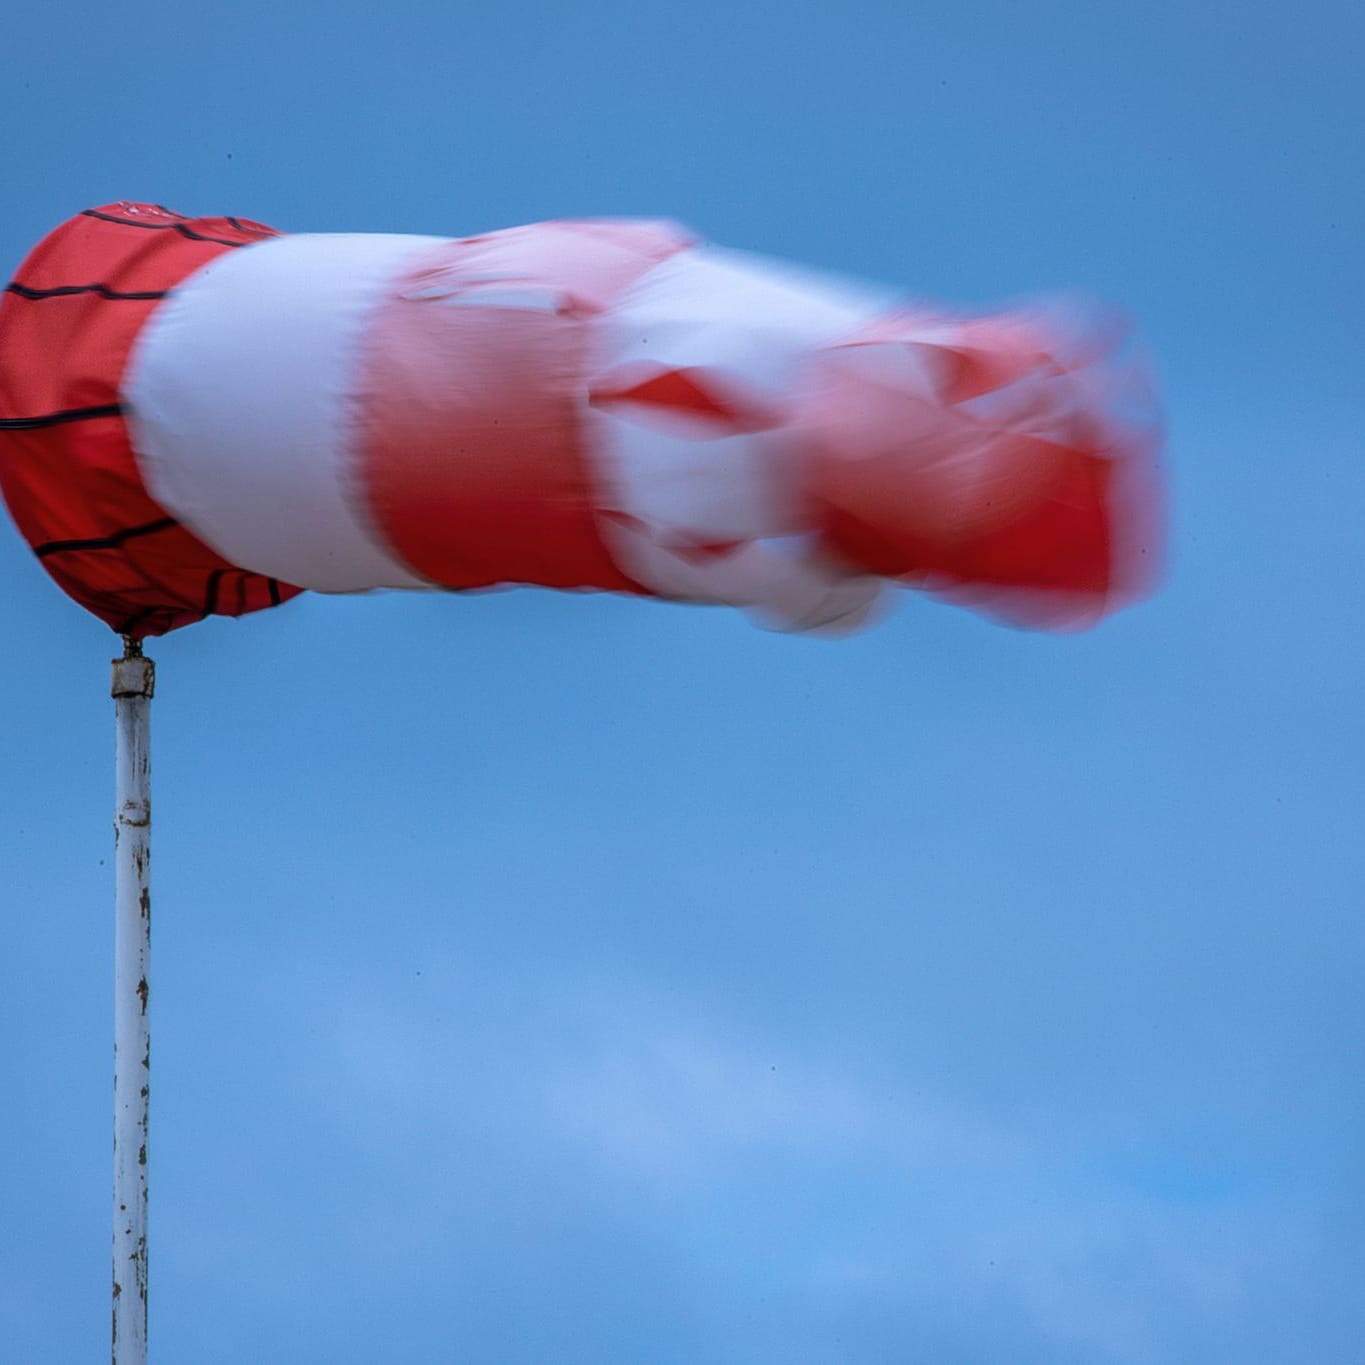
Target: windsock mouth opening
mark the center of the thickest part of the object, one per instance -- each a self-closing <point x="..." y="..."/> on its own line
<point x="70" y="475"/>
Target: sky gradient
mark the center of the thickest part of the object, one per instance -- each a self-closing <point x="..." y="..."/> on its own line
<point x="554" y="978"/>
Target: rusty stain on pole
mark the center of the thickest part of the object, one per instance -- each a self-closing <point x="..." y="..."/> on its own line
<point x="134" y="678"/>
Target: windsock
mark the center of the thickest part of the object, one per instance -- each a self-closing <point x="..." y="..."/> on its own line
<point x="203" y="416"/>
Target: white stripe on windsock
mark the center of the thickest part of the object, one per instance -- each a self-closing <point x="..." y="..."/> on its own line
<point x="731" y="310"/>
<point x="240" y="389"/>
<point x="746" y="326"/>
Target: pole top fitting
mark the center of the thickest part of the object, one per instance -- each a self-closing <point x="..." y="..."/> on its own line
<point x="134" y="675"/>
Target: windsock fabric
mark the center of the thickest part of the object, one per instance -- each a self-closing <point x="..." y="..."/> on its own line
<point x="200" y="416"/>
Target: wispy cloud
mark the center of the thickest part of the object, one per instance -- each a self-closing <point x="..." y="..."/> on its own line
<point x="858" y="1195"/>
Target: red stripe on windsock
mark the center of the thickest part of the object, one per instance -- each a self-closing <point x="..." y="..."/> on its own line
<point x="1021" y="510"/>
<point x="68" y="472"/>
<point x="472" y="390"/>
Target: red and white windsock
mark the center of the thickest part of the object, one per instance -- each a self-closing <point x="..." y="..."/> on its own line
<point x="200" y="415"/>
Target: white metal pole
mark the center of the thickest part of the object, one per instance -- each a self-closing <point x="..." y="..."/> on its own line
<point x="134" y="677"/>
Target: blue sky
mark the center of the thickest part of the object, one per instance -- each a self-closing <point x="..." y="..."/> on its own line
<point x="555" y="978"/>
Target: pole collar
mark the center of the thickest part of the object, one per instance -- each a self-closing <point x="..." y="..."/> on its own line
<point x="133" y="677"/>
